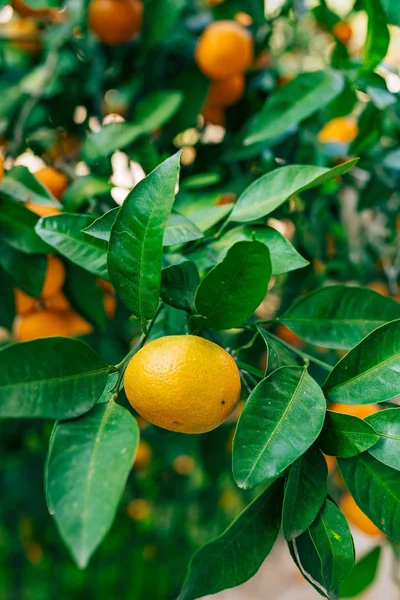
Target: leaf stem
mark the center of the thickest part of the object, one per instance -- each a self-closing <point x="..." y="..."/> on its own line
<point x="306" y="357"/>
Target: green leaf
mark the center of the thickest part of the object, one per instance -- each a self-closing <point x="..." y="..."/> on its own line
<point x="387" y="449"/>
<point x="345" y="435"/>
<point x="273" y="189"/>
<point x="135" y="248"/>
<point x="237" y="554"/>
<point x="159" y="19"/>
<point x="180" y="230"/>
<point x="88" y="464"/>
<point x="26" y="270"/>
<point x="17" y="227"/>
<point x="305" y="493"/>
<point x="54" y="378"/>
<point x="378" y="36"/>
<point x="306" y="558"/>
<point x="277" y="354"/>
<point x="229" y="294"/>
<point x="179" y="284"/>
<point x="157" y="109"/>
<point x="339" y="316"/>
<point x="205" y="218"/>
<point x="334" y="550"/>
<point x="362" y="576"/>
<point x="291" y="104"/>
<point x="370" y="372"/>
<point x="21" y="185"/>
<point x="200" y="180"/>
<point x="64" y="233"/>
<point x="391" y="8"/>
<point x="84" y="189"/>
<point x="376" y="489"/>
<point x="85" y="295"/>
<point x="7" y="303"/>
<point x="284" y="257"/>
<point x="281" y="419"/>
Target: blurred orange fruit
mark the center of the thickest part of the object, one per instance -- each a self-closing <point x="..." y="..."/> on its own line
<point x="379" y="286"/>
<point x="115" y="22"/>
<point x="343" y="32"/>
<point x="21" y="29"/>
<point x="183" y="464"/>
<point x="356" y="516"/>
<point x="23" y="303"/>
<point x="213" y="115"/>
<point x="225" y="48"/>
<point x="331" y="463"/>
<point x="288" y="336"/>
<point x="43" y="210"/>
<point x="40" y="324"/>
<point x="24" y="10"/>
<point x="58" y="302"/>
<point x="138" y="509"/>
<point x="53" y="180"/>
<point x="1" y="167"/>
<point x="104" y="285"/>
<point x="110" y="305"/>
<point x="143" y="455"/>
<point x="55" y="277"/>
<point x="341" y="130"/>
<point x="226" y="92"/>
<point x="357" y="410"/>
<point x="76" y="324"/>
<point x="226" y="198"/>
<point x="64" y="146"/>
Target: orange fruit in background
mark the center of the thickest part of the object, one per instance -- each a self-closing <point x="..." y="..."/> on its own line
<point x="331" y="463"/>
<point x="53" y="180"/>
<point x="24" y="10"/>
<point x="213" y="115"/>
<point x="104" y="285"/>
<point x="183" y="383"/>
<point x="110" y="305"/>
<point x="379" y="286"/>
<point x="55" y="277"/>
<point x="225" y="48"/>
<point x="76" y="324"/>
<point x="43" y="210"/>
<point x="342" y="130"/>
<point x="40" y="324"/>
<point x="66" y="145"/>
<point x="356" y="516"/>
<point x="343" y="32"/>
<point x="356" y="410"/>
<point x="115" y="21"/>
<point x="288" y="336"/>
<point x="226" y="198"/>
<point x="183" y="464"/>
<point x="20" y="29"/>
<point x="23" y="303"/>
<point x="1" y="167"/>
<point x="58" y="302"/>
<point x="138" y="509"/>
<point x="226" y="92"/>
<point x="143" y="455"/>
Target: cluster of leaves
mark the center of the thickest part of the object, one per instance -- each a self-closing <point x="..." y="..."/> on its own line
<point x="182" y="264"/>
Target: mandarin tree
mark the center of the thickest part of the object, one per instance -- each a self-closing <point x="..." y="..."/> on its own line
<point x="200" y="319"/>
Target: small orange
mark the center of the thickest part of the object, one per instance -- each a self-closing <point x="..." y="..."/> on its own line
<point x="183" y="464"/>
<point x="138" y="509"/>
<point x="341" y="130"/>
<point x="356" y="516"/>
<point x="58" y="302"/>
<point x="226" y="92"/>
<point x="288" y="336"/>
<point x="343" y="32"/>
<point x="356" y="410"/>
<point x="226" y="198"/>
<point x="115" y="22"/>
<point x="53" y="180"/>
<point x="379" y="286"/>
<point x="40" y="324"/>
<point x="225" y="48"/>
<point x="110" y="305"/>
<point x="143" y="455"/>
<point x="104" y="285"/>
<point x="23" y="303"/>
<point x="76" y="324"/>
<point x="213" y="115"/>
<point x="43" y="210"/>
<point x="55" y="277"/>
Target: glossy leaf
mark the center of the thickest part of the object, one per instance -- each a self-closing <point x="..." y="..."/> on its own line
<point x="387" y="424"/>
<point x="229" y="294"/>
<point x="378" y="36"/>
<point x="206" y="218"/>
<point x="339" y="316"/>
<point x="135" y="248"/>
<point x="89" y="461"/>
<point x="282" y="417"/>
<point x="277" y="354"/>
<point x="273" y="189"/>
<point x="64" y="234"/>
<point x="362" y="576"/>
<point x="370" y="372"/>
<point x="17" y="227"/>
<point x="180" y="230"/>
<point x="157" y="109"/>
<point x="291" y="104"/>
<point x="376" y="489"/>
<point x="101" y="227"/>
<point x="334" y="550"/>
<point x="22" y="185"/>
<point x="284" y="257"/>
<point x="345" y="435"/>
<point x="55" y="378"/>
<point x="239" y="551"/>
<point x="111" y="137"/>
<point x="179" y="284"/>
<point x="85" y="295"/>
<point x="27" y="270"/>
<point x="7" y="302"/>
<point x="305" y="493"/>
